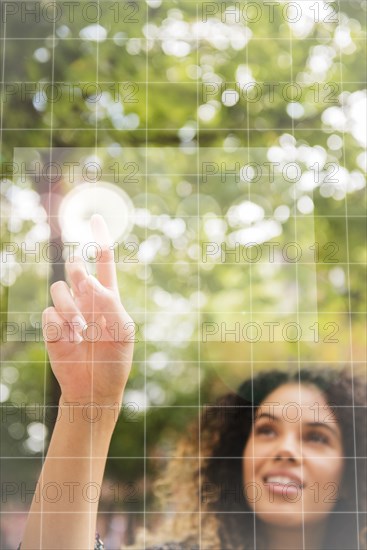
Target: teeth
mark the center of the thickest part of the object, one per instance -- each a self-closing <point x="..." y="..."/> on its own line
<point x="282" y="480"/>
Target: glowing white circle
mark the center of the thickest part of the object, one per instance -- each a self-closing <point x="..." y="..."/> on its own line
<point x="87" y="199"/>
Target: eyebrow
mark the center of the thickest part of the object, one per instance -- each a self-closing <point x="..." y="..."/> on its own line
<point x="309" y="424"/>
<point x="267" y="415"/>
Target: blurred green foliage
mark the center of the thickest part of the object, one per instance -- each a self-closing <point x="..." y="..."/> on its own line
<point x="164" y="71"/>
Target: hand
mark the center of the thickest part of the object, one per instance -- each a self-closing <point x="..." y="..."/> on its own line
<point x="89" y="335"/>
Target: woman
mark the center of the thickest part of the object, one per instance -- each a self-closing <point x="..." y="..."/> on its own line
<point x="278" y="465"/>
<point x="284" y="466"/>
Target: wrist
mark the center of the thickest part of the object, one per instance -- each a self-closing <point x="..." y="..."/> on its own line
<point x="82" y="430"/>
<point x="90" y="413"/>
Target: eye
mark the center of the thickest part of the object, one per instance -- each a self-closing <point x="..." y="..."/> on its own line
<point x="265" y="429"/>
<point x="317" y="437"/>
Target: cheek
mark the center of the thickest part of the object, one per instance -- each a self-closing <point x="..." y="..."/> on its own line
<point x="330" y="470"/>
<point x="325" y="485"/>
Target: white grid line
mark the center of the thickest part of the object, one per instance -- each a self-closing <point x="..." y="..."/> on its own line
<point x="3" y="26"/>
<point x="297" y="313"/>
<point x="350" y="317"/>
<point x="93" y="295"/>
<point x="146" y="277"/>
<point x="198" y="278"/>
<point x="46" y="360"/>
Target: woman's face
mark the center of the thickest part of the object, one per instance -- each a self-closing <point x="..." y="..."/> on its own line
<point x="293" y="459"/>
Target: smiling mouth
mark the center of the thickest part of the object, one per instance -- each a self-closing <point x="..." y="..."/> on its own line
<point x="283" y="481"/>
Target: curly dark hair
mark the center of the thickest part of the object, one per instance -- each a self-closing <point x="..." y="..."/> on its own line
<point x="228" y="521"/>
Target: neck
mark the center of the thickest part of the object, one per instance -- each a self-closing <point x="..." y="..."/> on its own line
<point x="280" y="538"/>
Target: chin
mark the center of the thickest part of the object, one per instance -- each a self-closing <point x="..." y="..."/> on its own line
<point x="290" y="520"/>
<point x="280" y="520"/>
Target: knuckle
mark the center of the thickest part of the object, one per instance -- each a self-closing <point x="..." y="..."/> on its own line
<point x="110" y="296"/>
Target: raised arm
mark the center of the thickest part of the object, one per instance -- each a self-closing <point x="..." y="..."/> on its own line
<point x="89" y="339"/>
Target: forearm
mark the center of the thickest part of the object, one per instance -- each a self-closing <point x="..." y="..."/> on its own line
<point x="64" y="508"/>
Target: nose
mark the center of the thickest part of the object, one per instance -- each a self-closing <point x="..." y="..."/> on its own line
<point x="288" y="449"/>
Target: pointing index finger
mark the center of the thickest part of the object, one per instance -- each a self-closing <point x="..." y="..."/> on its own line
<point x="106" y="269"/>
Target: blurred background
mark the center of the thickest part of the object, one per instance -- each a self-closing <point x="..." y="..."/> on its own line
<point x="225" y="144"/>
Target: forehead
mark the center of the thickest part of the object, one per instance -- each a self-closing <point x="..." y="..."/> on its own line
<point x="307" y="399"/>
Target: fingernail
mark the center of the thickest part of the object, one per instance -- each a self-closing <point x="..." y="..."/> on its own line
<point x="80" y="323"/>
<point x="100" y="230"/>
